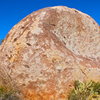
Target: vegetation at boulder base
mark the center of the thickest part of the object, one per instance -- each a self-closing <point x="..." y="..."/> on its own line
<point x="82" y="91"/>
<point x="85" y="91"/>
<point x="8" y="93"/>
<point x="1" y="40"/>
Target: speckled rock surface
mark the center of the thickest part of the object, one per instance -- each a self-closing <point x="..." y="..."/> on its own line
<point x="48" y="50"/>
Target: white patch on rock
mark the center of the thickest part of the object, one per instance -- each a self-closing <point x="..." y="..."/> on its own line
<point x="25" y="57"/>
<point x="42" y="14"/>
<point x="35" y="28"/>
<point x="60" y="8"/>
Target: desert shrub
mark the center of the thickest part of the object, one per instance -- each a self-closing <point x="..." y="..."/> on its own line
<point x="8" y="93"/>
<point x="85" y="91"/>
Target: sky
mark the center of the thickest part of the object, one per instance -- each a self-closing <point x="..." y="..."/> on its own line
<point x="12" y="11"/>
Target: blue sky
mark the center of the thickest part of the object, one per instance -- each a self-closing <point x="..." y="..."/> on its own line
<point x="12" y="11"/>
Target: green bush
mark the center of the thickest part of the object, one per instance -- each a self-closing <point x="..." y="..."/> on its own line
<point x="85" y="91"/>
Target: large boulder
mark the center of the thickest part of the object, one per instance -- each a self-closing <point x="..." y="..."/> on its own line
<point x="48" y="50"/>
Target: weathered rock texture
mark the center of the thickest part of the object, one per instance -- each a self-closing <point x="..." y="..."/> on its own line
<point x="48" y="50"/>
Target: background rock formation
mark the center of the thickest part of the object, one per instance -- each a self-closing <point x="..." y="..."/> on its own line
<point x="48" y="50"/>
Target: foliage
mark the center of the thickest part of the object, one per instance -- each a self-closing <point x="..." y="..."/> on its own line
<point x="85" y="91"/>
<point x="7" y="93"/>
<point x="1" y="40"/>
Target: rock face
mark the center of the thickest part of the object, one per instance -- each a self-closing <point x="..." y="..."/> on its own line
<point x="48" y="50"/>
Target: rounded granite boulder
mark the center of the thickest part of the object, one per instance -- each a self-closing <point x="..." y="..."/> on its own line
<point x="48" y="50"/>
